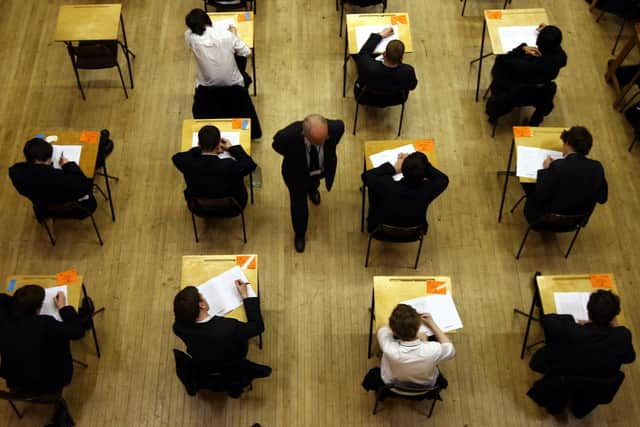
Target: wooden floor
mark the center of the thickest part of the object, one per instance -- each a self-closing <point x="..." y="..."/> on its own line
<point x="314" y="304"/>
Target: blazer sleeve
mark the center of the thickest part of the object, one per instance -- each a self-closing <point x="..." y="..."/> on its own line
<point x="374" y="177"/>
<point x="557" y="327"/>
<point x="74" y="181"/>
<point x="239" y="47"/>
<point x="281" y="141"/>
<point x="181" y="160"/>
<point x="412" y="81"/>
<point x="438" y="180"/>
<point x="603" y="191"/>
<point x="369" y="46"/>
<point x="254" y="325"/>
<point x="244" y="164"/>
<point x="336" y="130"/>
<point x="5" y="306"/>
<point x="70" y="328"/>
<point x="546" y="182"/>
<point x="629" y="354"/>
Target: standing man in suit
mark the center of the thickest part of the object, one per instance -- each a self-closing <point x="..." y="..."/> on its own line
<point x="571" y="185"/>
<point x="215" y="168"/>
<point x="34" y="349"/>
<point x="388" y="74"/>
<point x="37" y="179"/>
<point x="309" y="154"/>
<point x="219" y="344"/>
<point x="403" y="203"/>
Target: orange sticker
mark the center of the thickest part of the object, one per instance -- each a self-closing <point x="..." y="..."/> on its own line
<point x="600" y="281"/>
<point x="66" y="277"/>
<point x="398" y="19"/>
<point x="236" y="123"/>
<point x="89" y="136"/>
<point x="424" y="145"/>
<point x="493" y="14"/>
<point x="246" y="16"/>
<point x="522" y="132"/>
<point x="435" y="287"/>
<point x="247" y="261"/>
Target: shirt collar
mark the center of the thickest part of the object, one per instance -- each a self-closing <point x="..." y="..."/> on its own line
<point x="412" y="343"/>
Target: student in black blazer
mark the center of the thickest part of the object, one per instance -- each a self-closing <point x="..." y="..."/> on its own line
<point x="403" y="203"/>
<point x="388" y="74"/>
<point x="571" y="185"/>
<point x="219" y="344"/>
<point x="215" y="168"/>
<point x="34" y="349"/>
<point x="309" y="151"/>
<point x="37" y="179"/>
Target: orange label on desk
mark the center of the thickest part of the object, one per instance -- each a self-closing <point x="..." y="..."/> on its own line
<point x="247" y="261"/>
<point x="522" y="132"/>
<point x="493" y="14"/>
<point x="246" y="16"/>
<point x="600" y="281"/>
<point x="398" y="19"/>
<point x="89" y="136"/>
<point x="66" y="277"/>
<point x="436" y="287"/>
<point x="236" y="123"/>
<point x="424" y="145"/>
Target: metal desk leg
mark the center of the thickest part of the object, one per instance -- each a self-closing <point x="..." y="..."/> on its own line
<point x="251" y="185"/>
<point x="344" y="67"/>
<point x="93" y="326"/>
<point x="506" y="179"/>
<point x="253" y="65"/>
<point x="464" y="5"/>
<point x="127" y="52"/>
<point x="371" y="317"/>
<point x="484" y="30"/>
<point x="106" y="179"/>
<point x="534" y="301"/>
<point x="260" y="336"/>
<point x="364" y="196"/>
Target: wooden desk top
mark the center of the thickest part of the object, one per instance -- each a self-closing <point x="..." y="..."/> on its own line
<point x="191" y="125"/>
<point x="89" y="153"/>
<point x="197" y="269"/>
<point x="74" y="290"/>
<point x="548" y="285"/>
<point x="389" y="291"/>
<point x="373" y="147"/>
<point x="355" y="20"/>
<point x="88" y="22"/>
<point x="511" y="18"/>
<point x="547" y="138"/>
<point x="244" y="25"/>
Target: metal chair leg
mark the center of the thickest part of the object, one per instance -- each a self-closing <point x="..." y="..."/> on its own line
<point x="517" y="203"/>
<point x="46" y="227"/>
<point x="92" y="324"/>
<point x="433" y="405"/>
<point x="102" y="193"/>
<point x="600" y="16"/>
<point x="244" y="231"/>
<point x="15" y="409"/>
<point x="195" y="229"/>
<point x="95" y="227"/>
<point x="464" y="5"/>
<point x="375" y="406"/>
<point x="366" y="260"/>
<point x="355" y="119"/>
<point x="106" y="180"/>
<point x="635" y="139"/>
<point x="575" y="236"/>
<point x="615" y="45"/>
<point x="493" y="132"/>
<point x="523" y="240"/>
<point x="126" y="95"/>
<point x="401" y="117"/>
<point x="415" y="266"/>
<point x="341" y="18"/>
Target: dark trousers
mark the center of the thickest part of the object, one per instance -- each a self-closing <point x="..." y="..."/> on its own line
<point x="298" y="199"/>
<point x="241" y="62"/>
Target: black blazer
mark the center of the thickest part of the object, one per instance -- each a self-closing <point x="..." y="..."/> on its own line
<point x="289" y="142"/>
<point x="221" y="344"/>
<point x="35" y="350"/>
<point x="209" y="176"/>
<point x="518" y="68"/>
<point x="582" y="350"/>
<point x="571" y="185"/>
<point x="44" y="183"/>
<point x="397" y="203"/>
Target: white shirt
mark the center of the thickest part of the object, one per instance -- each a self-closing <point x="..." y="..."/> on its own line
<point x="214" y="51"/>
<point x="414" y="362"/>
<point x="308" y="145"/>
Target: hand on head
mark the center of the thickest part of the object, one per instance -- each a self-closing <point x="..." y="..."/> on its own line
<point x="225" y="144"/>
<point x="399" y="162"/>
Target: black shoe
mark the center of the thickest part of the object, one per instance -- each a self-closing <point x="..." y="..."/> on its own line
<point x="299" y="243"/>
<point x="315" y="197"/>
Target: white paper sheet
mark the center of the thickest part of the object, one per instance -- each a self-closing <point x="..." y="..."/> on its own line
<point x="48" y="305"/>
<point x="442" y="309"/>
<point x="224" y="23"/>
<point x="221" y="293"/>
<point x="530" y="160"/>
<point x="573" y="303"/>
<point x="391" y="156"/>
<point x="71" y="153"/>
<point x="232" y="136"/>
<point x="364" y="31"/>
<point x="511" y="37"/>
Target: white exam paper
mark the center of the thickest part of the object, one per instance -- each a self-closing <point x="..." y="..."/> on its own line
<point x="531" y="159"/>
<point x="221" y="293"/>
<point x="71" y="153"/>
<point x="391" y="156"/>
<point x="233" y="137"/>
<point x="224" y="23"/>
<point x="573" y="303"/>
<point x="511" y="37"/>
<point x="48" y="305"/>
<point x="364" y="31"/>
<point x="442" y="309"/>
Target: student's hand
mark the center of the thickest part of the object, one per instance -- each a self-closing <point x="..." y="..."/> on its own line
<point x="541" y="26"/>
<point x="62" y="161"/>
<point x="531" y="51"/>
<point x="547" y="162"/>
<point x="233" y="29"/>
<point x="399" y="162"/>
<point x="242" y="289"/>
<point x="426" y="318"/>
<point x="386" y="32"/>
<point x="225" y="144"/>
<point x="60" y="300"/>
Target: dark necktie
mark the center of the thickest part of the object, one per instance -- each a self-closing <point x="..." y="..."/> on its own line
<point x="314" y="161"/>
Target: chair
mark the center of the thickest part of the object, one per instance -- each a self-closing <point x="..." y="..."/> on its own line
<point x="224" y="6"/>
<point x="464" y="5"/>
<point x="359" y="3"/>
<point x="629" y="13"/>
<point x="388" y="233"/>
<point x="225" y="207"/>
<point x="535" y="303"/>
<point x="64" y="210"/>
<point x="381" y="98"/>
<point x="416" y="393"/>
<point x="105" y="148"/>
<point x="95" y="56"/>
<point x="54" y="399"/>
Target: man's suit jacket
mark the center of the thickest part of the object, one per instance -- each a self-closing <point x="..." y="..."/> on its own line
<point x="289" y="142"/>
<point x="582" y="350"/>
<point x="571" y="185"/>
<point x="35" y="350"/>
<point x="398" y="203"/>
<point x="209" y="176"/>
<point x="221" y="344"/>
<point x="517" y="68"/>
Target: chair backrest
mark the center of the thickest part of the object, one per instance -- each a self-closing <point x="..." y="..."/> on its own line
<point x="389" y="233"/>
<point x="186" y="371"/>
<point x="413" y="390"/>
<point x="223" y="5"/>
<point x="558" y="223"/>
<point x="223" y="207"/>
<point x="378" y="97"/>
<point x="364" y="3"/>
<point x="95" y="55"/>
<point x="60" y="210"/>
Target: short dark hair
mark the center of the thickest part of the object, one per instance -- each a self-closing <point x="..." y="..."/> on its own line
<point x="603" y="307"/>
<point x="197" y="20"/>
<point x="208" y="137"/>
<point x="414" y="168"/>
<point x="579" y="138"/>
<point x="186" y="304"/>
<point x="28" y="299"/>
<point x="404" y="322"/>
<point x="37" y="149"/>
<point x="394" y="52"/>
<point x="549" y="38"/>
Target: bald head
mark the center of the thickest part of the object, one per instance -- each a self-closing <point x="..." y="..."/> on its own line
<point x="315" y="129"/>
